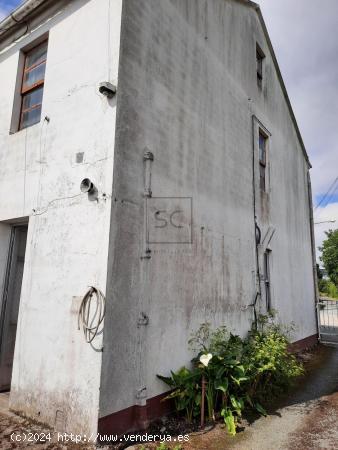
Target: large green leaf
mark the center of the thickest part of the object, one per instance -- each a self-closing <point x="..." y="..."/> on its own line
<point x="167" y="380"/>
<point x="239" y="380"/>
<point x="260" y="409"/>
<point x="229" y="421"/>
<point x="223" y="386"/>
<point x="238" y="404"/>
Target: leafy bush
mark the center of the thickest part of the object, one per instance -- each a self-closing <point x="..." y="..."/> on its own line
<point x="238" y="373"/>
<point x="326" y="287"/>
<point x="332" y="290"/>
<point x="323" y="285"/>
<point x="186" y="390"/>
<point x="270" y="367"/>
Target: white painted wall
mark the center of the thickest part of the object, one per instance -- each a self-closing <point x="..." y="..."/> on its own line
<point x="67" y="246"/>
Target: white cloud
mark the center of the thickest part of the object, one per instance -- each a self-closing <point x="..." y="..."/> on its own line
<point x="303" y="34"/>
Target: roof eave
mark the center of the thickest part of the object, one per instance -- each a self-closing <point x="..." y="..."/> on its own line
<point x="19" y="15"/>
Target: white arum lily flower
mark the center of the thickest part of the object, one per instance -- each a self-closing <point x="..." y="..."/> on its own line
<point x="205" y="359"/>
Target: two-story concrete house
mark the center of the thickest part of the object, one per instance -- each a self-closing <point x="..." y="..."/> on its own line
<point x="147" y="149"/>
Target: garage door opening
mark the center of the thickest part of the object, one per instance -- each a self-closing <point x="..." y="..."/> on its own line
<point x="15" y="244"/>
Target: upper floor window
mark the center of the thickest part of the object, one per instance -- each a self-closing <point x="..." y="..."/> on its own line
<point x="32" y="85"/>
<point x="259" y="63"/>
<point x="262" y="160"/>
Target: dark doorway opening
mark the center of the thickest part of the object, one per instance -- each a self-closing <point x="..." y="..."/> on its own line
<point x="9" y="310"/>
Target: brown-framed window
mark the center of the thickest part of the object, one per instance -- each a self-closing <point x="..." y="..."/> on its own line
<point x="259" y="64"/>
<point x="262" y="160"/>
<point x="33" y="80"/>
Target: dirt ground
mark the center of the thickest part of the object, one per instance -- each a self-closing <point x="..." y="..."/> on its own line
<point x="306" y="419"/>
<point x="13" y="427"/>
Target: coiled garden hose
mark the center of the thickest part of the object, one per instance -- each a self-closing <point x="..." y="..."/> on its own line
<point x="88" y="318"/>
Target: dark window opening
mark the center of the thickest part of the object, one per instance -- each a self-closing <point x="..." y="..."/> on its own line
<point x="262" y="161"/>
<point x="267" y="279"/>
<point x="33" y="80"/>
<point x="259" y="64"/>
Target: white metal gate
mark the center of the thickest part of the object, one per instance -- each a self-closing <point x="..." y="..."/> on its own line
<point x="328" y="321"/>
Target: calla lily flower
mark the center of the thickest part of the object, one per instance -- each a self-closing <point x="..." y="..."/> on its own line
<point x="205" y="359"/>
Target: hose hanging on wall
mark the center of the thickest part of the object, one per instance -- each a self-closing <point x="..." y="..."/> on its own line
<point x="91" y="319"/>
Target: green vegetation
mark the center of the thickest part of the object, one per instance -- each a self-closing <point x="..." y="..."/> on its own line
<point x="327" y="288"/>
<point x="239" y="374"/>
<point x="329" y="256"/>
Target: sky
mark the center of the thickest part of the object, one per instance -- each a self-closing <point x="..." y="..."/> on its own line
<point x="304" y="37"/>
<point x="7" y="6"/>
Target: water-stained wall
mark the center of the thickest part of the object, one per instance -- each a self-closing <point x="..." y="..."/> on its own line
<point x="188" y="93"/>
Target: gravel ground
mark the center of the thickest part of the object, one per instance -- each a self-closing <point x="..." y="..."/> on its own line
<point x="304" y="420"/>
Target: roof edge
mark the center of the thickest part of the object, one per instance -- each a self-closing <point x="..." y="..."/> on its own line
<point x="19" y="15"/>
<point x="280" y="77"/>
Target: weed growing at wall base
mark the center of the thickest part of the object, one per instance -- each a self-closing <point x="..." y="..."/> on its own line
<point x="239" y="374"/>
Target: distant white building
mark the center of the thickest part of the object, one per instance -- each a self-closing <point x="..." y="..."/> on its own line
<point x="199" y="207"/>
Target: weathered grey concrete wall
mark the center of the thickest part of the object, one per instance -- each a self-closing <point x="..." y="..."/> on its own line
<point x="56" y="373"/>
<point x="187" y="92"/>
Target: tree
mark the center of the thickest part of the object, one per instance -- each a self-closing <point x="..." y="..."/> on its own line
<point x="319" y="272"/>
<point x="330" y="255"/>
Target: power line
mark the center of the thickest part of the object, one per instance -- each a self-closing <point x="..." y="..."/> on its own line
<point x="328" y="193"/>
<point x="332" y="195"/>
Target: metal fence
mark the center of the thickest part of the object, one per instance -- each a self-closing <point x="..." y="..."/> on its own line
<point x="328" y="320"/>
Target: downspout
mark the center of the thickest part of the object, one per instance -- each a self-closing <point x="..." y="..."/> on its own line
<point x="19" y="15"/>
<point x="258" y="233"/>
<point x="313" y="248"/>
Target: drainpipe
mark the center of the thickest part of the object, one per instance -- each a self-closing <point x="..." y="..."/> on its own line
<point x="258" y="235"/>
<point x="313" y="247"/>
<point x="19" y="15"/>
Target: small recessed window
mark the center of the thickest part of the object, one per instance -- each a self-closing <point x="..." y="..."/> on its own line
<point x="262" y="160"/>
<point x="259" y="63"/>
<point x="33" y="80"/>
